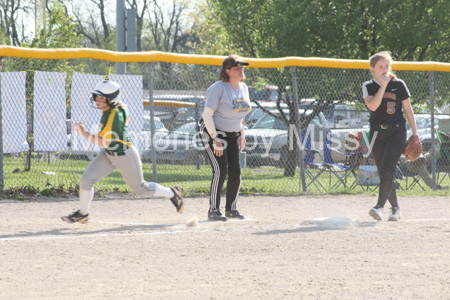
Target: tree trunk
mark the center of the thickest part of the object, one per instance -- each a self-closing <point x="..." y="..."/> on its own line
<point x="292" y="157"/>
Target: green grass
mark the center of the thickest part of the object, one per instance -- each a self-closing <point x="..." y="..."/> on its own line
<point x="65" y="175"/>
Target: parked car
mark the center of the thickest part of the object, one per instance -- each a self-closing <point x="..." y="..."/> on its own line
<point x="269" y="93"/>
<point x="266" y="138"/>
<point x="338" y="114"/>
<point x="176" y="110"/>
<point x="257" y="113"/>
<point x="145" y="137"/>
<point x="423" y="123"/>
<point x="180" y="146"/>
<point x="253" y="117"/>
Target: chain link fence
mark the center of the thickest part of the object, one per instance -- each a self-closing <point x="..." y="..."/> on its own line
<point x="315" y="141"/>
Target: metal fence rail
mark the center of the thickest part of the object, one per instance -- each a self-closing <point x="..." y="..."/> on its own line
<point x="42" y="98"/>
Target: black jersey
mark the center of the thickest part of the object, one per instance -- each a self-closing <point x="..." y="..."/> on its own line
<point x="390" y="110"/>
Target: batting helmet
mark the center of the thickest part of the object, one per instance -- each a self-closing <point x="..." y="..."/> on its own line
<point x="108" y="89"/>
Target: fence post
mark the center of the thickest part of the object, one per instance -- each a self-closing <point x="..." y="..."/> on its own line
<point x="433" y="132"/>
<point x="152" y="121"/>
<point x="121" y="68"/>
<point x="302" y="183"/>
<point x="196" y="122"/>
<point x="2" y="179"/>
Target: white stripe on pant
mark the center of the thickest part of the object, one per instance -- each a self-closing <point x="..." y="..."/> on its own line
<point x="227" y="164"/>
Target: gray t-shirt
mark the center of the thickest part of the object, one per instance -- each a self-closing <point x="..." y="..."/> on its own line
<point x="229" y="105"/>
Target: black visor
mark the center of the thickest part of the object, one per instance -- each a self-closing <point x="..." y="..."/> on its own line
<point x="109" y="96"/>
<point x="239" y="63"/>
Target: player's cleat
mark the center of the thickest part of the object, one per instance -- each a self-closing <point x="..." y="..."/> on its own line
<point x="215" y="215"/>
<point x="234" y="214"/>
<point x="76" y="217"/>
<point x="395" y="214"/>
<point x="376" y="213"/>
<point x="177" y="200"/>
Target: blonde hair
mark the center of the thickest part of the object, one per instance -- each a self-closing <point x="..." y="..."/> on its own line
<point x="387" y="55"/>
<point x="228" y="64"/>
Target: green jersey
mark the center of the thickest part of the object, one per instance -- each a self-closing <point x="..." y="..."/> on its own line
<point x="114" y="128"/>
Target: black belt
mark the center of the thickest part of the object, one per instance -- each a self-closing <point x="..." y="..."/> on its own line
<point x="231" y="135"/>
<point x="112" y="153"/>
<point x="388" y="126"/>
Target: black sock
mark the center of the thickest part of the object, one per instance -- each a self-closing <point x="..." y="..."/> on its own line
<point x="385" y="191"/>
<point x="393" y="197"/>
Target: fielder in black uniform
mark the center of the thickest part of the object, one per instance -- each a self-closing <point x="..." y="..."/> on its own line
<point x="385" y="95"/>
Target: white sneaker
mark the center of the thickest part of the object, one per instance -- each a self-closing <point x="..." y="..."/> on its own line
<point x="376" y="213"/>
<point x="395" y="214"/>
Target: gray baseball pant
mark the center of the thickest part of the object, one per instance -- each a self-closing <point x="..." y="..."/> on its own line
<point x="103" y="164"/>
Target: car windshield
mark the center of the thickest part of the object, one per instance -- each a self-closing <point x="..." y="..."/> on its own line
<point x="270" y="122"/>
<point x="158" y="124"/>
<point x="257" y="114"/>
<point x="258" y="94"/>
<point x="183" y="131"/>
<point x="328" y="113"/>
<point x="273" y="95"/>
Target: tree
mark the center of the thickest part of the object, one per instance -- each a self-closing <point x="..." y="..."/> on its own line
<point x="418" y="31"/>
<point x="243" y="26"/>
<point x="348" y="29"/>
<point x="13" y="19"/>
<point x="160" y="25"/>
<point x="294" y="118"/>
<point x="141" y="10"/>
<point x="4" y="38"/>
<point x="167" y="28"/>
<point x="91" y="18"/>
<point x="59" y="32"/>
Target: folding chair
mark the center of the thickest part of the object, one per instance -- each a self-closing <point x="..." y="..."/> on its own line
<point x="338" y="171"/>
<point x="443" y="159"/>
<point x="312" y="169"/>
<point x="360" y="141"/>
<point x="354" y="145"/>
<point x="341" y="171"/>
<point x="409" y="177"/>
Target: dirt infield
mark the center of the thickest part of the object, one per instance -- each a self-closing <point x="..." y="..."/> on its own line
<point x="142" y="249"/>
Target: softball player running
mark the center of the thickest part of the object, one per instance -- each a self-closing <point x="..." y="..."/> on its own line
<point x="385" y="95"/>
<point x="222" y="128"/>
<point x="117" y="152"/>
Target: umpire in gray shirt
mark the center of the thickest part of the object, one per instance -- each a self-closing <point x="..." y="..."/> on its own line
<point x="222" y="128"/>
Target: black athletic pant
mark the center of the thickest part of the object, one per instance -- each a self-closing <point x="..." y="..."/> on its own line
<point x="227" y="164"/>
<point x="387" y="149"/>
